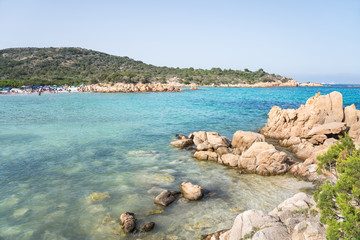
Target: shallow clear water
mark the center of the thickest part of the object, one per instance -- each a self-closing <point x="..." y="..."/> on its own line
<point x="58" y="149"/>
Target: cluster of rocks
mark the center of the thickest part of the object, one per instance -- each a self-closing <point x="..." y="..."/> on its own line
<point x="311" y="129"/>
<point x="128" y="221"/>
<point x="296" y="218"/>
<point x="306" y="132"/>
<point x="247" y="151"/>
<point x="309" y="84"/>
<point x="130" y="87"/>
<point x="188" y="190"/>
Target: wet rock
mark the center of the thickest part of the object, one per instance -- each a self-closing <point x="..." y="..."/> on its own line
<point x="165" y="198"/>
<point x="147" y="227"/>
<point x="95" y="196"/>
<point x="243" y="140"/>
<point x="191" y="191"/>
<point x="128" y="221"/>
<point x="182" y="143"/>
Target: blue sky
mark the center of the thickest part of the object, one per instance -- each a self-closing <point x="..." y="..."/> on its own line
<point x="315" y="40"/>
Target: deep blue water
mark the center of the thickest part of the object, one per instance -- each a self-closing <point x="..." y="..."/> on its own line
<point x="56" y="149"/>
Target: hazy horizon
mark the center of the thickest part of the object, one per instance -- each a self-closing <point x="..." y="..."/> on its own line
<point x="304" y="40"/>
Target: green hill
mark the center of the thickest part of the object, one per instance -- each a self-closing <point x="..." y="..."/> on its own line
<point x="27" y="66"/>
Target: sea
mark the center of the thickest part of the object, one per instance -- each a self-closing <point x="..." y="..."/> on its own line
<point x="57" y="149"/>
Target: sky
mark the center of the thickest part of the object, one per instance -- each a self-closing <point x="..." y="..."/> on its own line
<point x="308" y="40"/>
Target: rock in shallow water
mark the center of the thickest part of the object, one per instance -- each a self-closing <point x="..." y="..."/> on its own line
<point x="147" y="227"/>
<point x="95" y="196"/>
<point x="165" y="198"/>
<point x="128" y="221"/>
<point x="182" y="143"/>
<point x="191" y="191"/>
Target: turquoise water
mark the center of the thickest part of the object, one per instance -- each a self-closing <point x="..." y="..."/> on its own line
<point x="58" y="149"/>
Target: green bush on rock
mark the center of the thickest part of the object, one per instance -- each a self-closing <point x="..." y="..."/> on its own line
<point x="339" y="202"/>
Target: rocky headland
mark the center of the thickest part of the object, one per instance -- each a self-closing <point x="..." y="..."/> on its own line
<point x="305" y="132"/>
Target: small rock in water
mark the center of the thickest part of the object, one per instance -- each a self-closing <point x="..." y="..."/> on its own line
<point x="95" y="196"/>
<point x="164" y="198"/>
<point x="237" y="209"/>
<point x="182" y="143"/>
<point x="153" y="212"/>
<point x="191" y="191"/>
<point x="147" y="227"/>
<point x="128" y="221"/>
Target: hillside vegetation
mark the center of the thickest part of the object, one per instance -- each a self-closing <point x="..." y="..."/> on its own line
<point x="27" y="66"/>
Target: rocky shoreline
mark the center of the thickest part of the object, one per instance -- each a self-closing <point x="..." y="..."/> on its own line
<point x="175" y="86"/>
<point x="307" y="132"/>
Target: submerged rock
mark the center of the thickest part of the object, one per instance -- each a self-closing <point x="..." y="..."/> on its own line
<point x="191" y="191"/>
<point x="95" y="196"/>
<point x="165" y="198"/>
<point x="128" y="221"/>
<point x="156" y="211"/>
<point x="147" y="227"/>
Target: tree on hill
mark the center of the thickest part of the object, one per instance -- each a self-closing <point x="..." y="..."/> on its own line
<point x="76" y="65"/>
